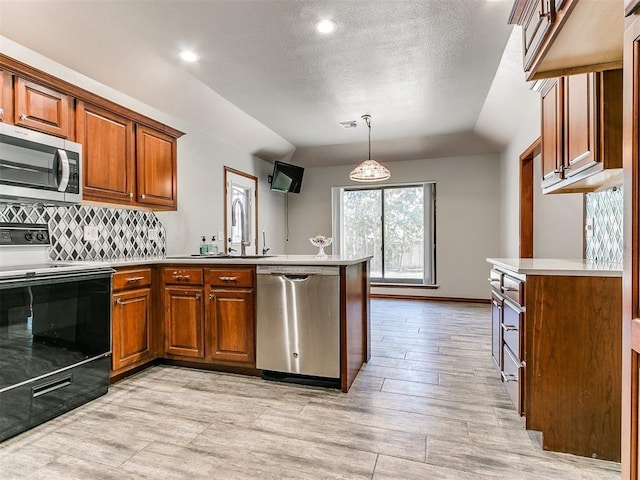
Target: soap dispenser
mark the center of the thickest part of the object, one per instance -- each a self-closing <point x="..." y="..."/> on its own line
<point x="213" y="246"/>
<point x="203" y="246"/>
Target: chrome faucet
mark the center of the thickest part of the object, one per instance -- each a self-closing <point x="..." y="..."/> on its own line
<point x="237" y="204"/>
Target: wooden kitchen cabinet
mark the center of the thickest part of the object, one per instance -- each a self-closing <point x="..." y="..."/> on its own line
<point x="560" y="344"/>
<point x="108" y="154"/>
<point x="6" y="97"/>
<point x="184" y="322"/>
<point x="43" y="109"/>
<point x="156" y="168"/>
<point x="132" y="320"/>
<point x="230" y="315"/>
<point x="582" y="132"/>
<point x="561" y="37"/>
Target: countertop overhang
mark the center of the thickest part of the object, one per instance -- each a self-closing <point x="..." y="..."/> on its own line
<point x="336" y="260"/>
<point x="557" y="266"/>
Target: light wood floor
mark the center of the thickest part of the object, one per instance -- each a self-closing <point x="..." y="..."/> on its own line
<point x="429" y="405"/>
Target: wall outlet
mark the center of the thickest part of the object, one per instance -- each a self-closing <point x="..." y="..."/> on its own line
<point x="152" y="233"/>
<point x="91" y="233"/>
<point x="588" y="227"/>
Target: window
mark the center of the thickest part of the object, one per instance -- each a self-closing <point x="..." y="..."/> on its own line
<point x="395" y="224"/>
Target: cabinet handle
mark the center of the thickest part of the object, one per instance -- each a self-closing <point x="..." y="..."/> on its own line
<point x="23" y="116"/>
<point x="508" y="378"/>
<point x="211" y="296"/>
<point x="143" y="196"/>
<point x="130" y="194"/>
<point x="118" y="301"/>
<point x="496" y="304"/>
<point x="134" y="279"/>
<point x="509" y="328"/>
<point x="177" y="276"/>
<point x="509" y="289"/>
<point x="197" y="296"/>
<point x="228" y="279"/>
<point x="1" y="112"/>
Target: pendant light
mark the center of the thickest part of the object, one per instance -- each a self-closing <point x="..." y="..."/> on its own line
<point x="369" y="170"/>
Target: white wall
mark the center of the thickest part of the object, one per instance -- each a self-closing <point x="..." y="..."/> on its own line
<point x="467" y="221"/>
<point x="557" y="223"/>
<point x="202" y="152"/>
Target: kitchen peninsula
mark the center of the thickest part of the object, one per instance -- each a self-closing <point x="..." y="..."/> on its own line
<point x="556" y="343"/>
<point x="201" y="310"/>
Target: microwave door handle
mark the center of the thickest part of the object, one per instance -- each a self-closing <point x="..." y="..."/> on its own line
<point x="63" y="169"/>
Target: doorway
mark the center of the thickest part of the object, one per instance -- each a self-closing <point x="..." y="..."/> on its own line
<point x="526" y="198"/>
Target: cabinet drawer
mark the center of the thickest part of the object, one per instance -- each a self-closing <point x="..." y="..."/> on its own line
<point x="495" y="279"/>
<point x="232" y="277"/>
<point x="131" y="278"/>
<point x="513" y="288"/>
<point x="182" y="276"/>
<point x="512" y="378"/>
<point x="511" y="328"/>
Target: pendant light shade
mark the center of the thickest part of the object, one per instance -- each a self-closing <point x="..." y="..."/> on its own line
<point x="369" y="170"/>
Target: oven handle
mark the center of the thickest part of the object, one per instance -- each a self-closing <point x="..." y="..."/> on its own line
<point x="52" y="386"/>
<point x="55" y="277"/>
<point x="62" y="161"/>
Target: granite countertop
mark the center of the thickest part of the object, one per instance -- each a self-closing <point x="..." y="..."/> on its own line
<point x="186" y="259"/>
<point x="557" y="266"/>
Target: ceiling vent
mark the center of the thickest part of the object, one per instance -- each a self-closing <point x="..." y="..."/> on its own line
<point x="349" y="124"/>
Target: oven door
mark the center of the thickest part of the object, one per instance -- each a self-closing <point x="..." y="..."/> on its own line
<point x="38" y="166"/>
<point x="50" y="323"/>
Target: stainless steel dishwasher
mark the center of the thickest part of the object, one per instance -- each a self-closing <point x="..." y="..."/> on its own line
<point x="298" y="320"/>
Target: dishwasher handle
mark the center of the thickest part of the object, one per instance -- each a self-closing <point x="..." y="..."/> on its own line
<point x="296" y="278"/>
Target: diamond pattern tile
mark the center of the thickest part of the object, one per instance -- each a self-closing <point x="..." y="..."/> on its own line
<point x="123" y="233"/>
<point x="606" y="210"/>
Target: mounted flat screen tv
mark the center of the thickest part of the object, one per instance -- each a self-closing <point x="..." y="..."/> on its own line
<point x="286" y="178"/>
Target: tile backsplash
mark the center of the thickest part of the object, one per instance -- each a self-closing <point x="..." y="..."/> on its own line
<point x="605" y="208"/>
<point x="123" y="233"/>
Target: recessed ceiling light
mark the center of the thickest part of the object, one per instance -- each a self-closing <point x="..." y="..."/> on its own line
<point x="326" y="26"/>
<point x="188" y="55"/>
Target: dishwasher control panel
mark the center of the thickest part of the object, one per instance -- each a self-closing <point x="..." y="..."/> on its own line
<point x="296" y="270"/>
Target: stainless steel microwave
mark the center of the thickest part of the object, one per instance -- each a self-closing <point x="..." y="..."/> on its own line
<point x="39" y="168"/>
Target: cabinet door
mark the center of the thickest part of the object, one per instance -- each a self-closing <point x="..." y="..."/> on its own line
<point x="552" y="133"/>
<point x="156" y="164"/>
<point x="496" y="330"/>
<point x="184" y="322"/>
<point x="6" y="97"/>
<point x="108" y="149"/>
<point x="579" y="122"/>
<point x="231" y="325"/>
<point x="43" y="109"/>
<point x="131" y="328"/>
<point x="536" y="23"/>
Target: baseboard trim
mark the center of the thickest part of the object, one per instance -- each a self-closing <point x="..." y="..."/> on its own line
<point x="430" y="298"/>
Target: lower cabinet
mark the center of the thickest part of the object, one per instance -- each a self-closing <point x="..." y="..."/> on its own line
<point x="132" y="330"/>
<point x="559" y="353"/>
<point x="231" y="328"/>
<point x="184" y="322"/>
<point x="220" y="330"/>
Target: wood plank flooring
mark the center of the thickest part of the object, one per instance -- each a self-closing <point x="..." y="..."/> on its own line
<point x="429" y="405"/>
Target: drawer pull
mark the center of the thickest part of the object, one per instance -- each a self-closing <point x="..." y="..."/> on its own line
<point x="496" y="304"/>
<point x="177" y="276"/>
<point x="508" y="378"/>
<point x="509" y="328"/>
<point x="134" y="279"/>
<point x="228" y="279"/>
<point x="118" y="301"/>
<point x="51" y="386"/>
<point x="509" y="289"/>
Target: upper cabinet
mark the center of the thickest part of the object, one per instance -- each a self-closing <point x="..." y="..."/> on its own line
<point x="128" y="158"/>
<point x="108" y="154"/>
<point x="582" y="132"/>
<point x="44" y="109"/>
<point x="564" y="37"/>
<point x="6" y="97"/>
<point x="156" y="167"/>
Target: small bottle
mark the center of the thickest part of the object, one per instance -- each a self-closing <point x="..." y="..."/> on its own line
<point x="213" y="246"/>
<point x="203" y="246"/>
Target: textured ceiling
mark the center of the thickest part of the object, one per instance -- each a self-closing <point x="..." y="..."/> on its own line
<point x="421" y="68"/>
